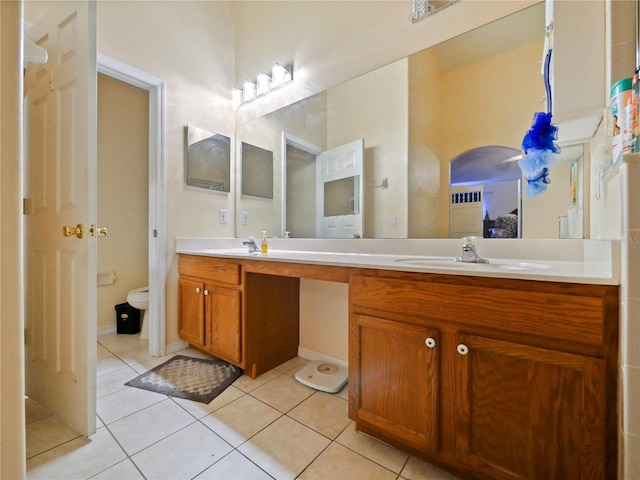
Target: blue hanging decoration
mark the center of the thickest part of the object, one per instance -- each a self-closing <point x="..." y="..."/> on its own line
<point x="538" y="144"/>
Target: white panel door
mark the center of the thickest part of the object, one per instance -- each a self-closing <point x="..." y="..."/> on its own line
<point x="465" y="211"/>
<point x="340" y="171"/>
<point x="60" y="186"/>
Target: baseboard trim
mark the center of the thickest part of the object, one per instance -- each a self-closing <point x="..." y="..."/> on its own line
<point x="311" y="355"/>
<point x="107" y="330"/>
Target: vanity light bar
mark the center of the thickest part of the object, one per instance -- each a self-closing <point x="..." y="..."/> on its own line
<point x="280" y="75"/>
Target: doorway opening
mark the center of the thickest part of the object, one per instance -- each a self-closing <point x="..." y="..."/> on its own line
<point x="299" y="186"/>
<point x="156" y="220"/>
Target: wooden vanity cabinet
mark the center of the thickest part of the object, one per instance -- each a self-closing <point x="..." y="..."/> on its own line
<point x="248" y="318"/>
<point x="210" y="306"/>
<point x="493" y="378"/>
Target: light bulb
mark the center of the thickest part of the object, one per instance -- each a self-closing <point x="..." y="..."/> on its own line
<point x="249" y="90"/>
<point x="279" y="75"/>
<point x="236" y="95"/>
<point x="263" y="83"/>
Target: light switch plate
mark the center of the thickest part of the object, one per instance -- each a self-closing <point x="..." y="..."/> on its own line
<point x="222" y="216"/>
<point x="244" y="218"/>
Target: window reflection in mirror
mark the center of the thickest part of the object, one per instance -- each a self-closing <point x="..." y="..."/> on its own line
<point x="340" y="196"/>
<point x="485" y="199"/>
<point x="208" y="160"/>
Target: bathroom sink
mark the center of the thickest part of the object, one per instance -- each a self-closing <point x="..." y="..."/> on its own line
<point x="446" y="262"/>
<point x="236" y="252"/>
<point x="515" y="265"/>
<point x="440" y="262"/>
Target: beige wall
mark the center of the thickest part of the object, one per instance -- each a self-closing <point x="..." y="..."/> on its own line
<point x="324" y="318"/>
<point x="374" y="107"/>
<point x="189" y="45"/>
<point x="123" y="191"/>
<point x="497" y="111"/>
<point x="425" y="168"/>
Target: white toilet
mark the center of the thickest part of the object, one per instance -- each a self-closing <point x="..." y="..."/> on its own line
<point x="139" y="298"/>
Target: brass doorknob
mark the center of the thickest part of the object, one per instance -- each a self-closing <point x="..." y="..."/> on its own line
<point x="97" y="231"/>
<point x="78" y="231"/>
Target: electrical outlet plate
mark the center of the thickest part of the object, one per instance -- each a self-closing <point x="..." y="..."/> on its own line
<point x="222" y="216"/>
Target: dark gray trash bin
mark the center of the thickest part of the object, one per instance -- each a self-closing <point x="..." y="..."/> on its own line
<point x="128" y="319"/>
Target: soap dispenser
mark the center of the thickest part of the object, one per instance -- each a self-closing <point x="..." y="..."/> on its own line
<point x="265" y="245"/>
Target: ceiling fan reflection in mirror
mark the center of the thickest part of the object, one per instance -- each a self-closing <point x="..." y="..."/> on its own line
<point x="424" y="8"/>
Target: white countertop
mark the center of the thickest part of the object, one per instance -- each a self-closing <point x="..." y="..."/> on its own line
<point x="600" y="270"/>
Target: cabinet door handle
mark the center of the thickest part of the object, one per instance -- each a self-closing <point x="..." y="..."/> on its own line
<point x="197" y="289"/>
<point x="430" y="342"/>
<point x="206" y="292"/>
<point x="463" y="349"/>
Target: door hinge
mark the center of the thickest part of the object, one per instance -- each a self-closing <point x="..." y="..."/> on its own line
<point x="155" y="233"/>
<point x="26" y="206"/>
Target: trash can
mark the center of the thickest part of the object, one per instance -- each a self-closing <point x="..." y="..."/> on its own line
<point x="128" y="319"/>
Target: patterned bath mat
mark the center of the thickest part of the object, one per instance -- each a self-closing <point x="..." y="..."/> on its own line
<point x="187" y="377"/>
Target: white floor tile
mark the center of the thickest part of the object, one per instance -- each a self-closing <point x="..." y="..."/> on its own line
<point x="143" y="428"/>
<point x="79" y="459"/>
<point x="184" y="454"/>
<point x="284" y="448"/>
<point x="122" y="343"/>
<point x="125" y="402"/>
<point x="417" y="469"/>
<point x="290" y="367"/>
<point x="248" y="384"/>
<point x="234" y="466"/>
<point x="325" y="413"/>
<point x="381" y="453"/>
<point x="46" y="434"/>
<point x="124" y="470"/>
<point x="283" y="393"/>
<point x="340" y="462"/>
<point x="108" y="364"/>
<point x="114" y="381"/>
<point x="241" y="420"/>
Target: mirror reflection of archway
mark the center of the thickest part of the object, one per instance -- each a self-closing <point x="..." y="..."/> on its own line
<point x="485" y="193"/>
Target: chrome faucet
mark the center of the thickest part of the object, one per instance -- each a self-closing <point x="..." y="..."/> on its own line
<point x="469" y="253"/>
<point x="251" y="243"/>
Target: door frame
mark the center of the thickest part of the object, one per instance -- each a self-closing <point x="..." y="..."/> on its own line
<point x="157" y="220"/>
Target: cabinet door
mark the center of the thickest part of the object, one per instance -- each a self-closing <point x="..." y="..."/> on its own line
<point x="395" y="389"/>
<point x="527" y="412"/>
<point x="223" y="324"/>
<point x="191" y="311"/>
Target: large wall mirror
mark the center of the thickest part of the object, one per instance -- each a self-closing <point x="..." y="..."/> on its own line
<point x="416" y="115"/>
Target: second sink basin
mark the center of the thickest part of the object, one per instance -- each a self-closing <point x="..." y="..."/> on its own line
<point x="446" y="262"/>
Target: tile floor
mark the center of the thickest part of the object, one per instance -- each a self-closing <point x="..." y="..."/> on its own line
<point x="271" y="427"/>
